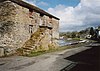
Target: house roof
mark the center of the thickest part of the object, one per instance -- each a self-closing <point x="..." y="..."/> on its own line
<point x="29" y="6"/>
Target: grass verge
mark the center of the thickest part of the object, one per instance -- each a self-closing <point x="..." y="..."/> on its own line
<point x="32" y="54"/>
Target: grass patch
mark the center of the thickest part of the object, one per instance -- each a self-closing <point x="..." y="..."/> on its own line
<point x="35" y="53"/>
<point x="32" y="54"/>
<point x="77" y="39"/>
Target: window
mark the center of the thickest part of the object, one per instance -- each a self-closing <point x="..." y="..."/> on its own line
<point x="36" y="21"/>
<point x="31" y="29"/>
<point x="31" y="13"/>
<point x="41" y="15"/>
<point x="50" y="20"/>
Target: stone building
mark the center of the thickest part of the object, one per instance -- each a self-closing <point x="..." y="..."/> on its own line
<point x="26" y="26"/>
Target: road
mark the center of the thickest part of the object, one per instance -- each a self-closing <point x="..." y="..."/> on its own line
<point x="80" y="58"/>
<point x="88" y="60"/>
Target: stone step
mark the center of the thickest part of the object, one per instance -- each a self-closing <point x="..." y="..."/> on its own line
<point x="29" y="48"/>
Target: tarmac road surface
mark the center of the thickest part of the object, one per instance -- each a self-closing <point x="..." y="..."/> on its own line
<point x="67" y="60"/>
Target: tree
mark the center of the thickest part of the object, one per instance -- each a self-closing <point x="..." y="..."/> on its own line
<point x="73" y="34"/>
<point x="92" y="32"/>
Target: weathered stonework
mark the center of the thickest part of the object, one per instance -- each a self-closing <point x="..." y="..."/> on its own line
<point x="21" y="27"/>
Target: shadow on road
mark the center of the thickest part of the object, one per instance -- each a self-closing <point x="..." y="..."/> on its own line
<point x="88" y="60"/>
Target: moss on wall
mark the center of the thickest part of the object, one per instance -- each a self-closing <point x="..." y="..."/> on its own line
<point x="6" y="27"/>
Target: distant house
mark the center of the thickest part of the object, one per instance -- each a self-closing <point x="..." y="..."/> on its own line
<point x="99" y="34"/>
<point x="26" y="26"/>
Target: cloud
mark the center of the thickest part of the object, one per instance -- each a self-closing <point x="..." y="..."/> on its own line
<point x="32" y="1"/>
<point x="37" y="3"/>
<point x="43" y="3"/>
<point x="85" y="14"/>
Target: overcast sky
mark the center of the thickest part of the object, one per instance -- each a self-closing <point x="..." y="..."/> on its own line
<point x="74" y="15"/>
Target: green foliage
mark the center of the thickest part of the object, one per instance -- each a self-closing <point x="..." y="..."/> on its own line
<point x="73" y="35"/>
<point x="76" y="39"/>
<point x="82" y="32"/>
<point x="92" y="31"/>
<point x="36" y="53"/>
<point x="98" y="27"/>
<point x="19" y="51"/>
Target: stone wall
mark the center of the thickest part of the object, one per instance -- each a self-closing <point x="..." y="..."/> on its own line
<point x="19" y="26"/>
<point x="14" y="26"/>
<point x="55" y="32"/>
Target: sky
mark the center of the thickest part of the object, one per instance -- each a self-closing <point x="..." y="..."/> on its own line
<point x="75" y="15"/>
